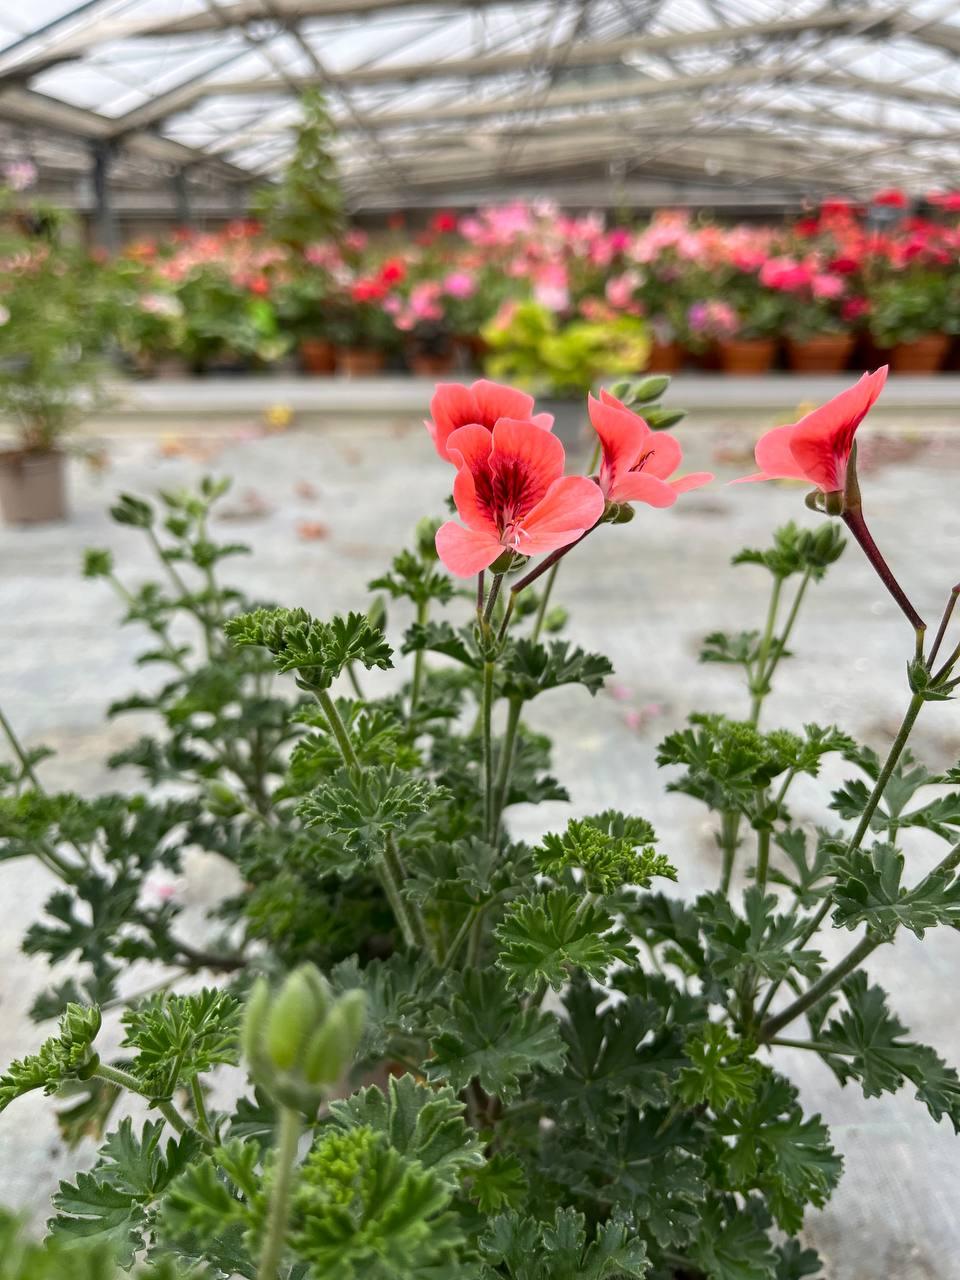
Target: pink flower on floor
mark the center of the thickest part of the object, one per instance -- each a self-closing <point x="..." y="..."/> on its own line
<point x="818" y="447"/>
<point x="636" y="462"/>
<point x="512" y="495"/>
<point x="481" y="404"/>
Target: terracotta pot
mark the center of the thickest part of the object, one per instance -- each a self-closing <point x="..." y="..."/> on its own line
<point x="317" y="356"/>
<point x="747" y="357"/>
<point x="360" y="362"/>
<point x="923" y="355"/>
<point x="665" y="357"/>
<point x="827" y="353"/>
<point x="32" y="486"/>
<point x="707" y="359"/>
<point x="429" y="365"/>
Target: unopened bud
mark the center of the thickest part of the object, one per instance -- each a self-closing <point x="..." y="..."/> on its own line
<point x="292" y="1018"/>
<point x="556" y="619"/>
<point x="377" y="614"/>
<point x="222" y="801"/>
<point x="649" y="389"/>
<point x="426" y="538"/>
<point x="332" y="1048"/>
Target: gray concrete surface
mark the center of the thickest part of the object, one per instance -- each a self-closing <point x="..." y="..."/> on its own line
<point x="325" y="508"/>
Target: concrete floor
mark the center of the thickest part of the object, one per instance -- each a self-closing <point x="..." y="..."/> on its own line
<point x="326" y="505"/>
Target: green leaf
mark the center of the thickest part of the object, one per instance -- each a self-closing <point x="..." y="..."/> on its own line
<point x="419" y="1122"/>
<point x="440" y="637"/>
<point x="68" y="1055"/>
<point x="482" y="1034"/>
<point x="529" y="669"/>
<point x="866" y="1044"/>
<point x="776" y="1151"/>
<point x="360" y="809"/>
<point x="610" y="848"/>
<point x="739" y="649"/>
<point x="810" y="872"/>
<point x="363" y="1210"/>
<point x="179" y="1037"/>
<point x="732" y="1246"/>
<point x="530" y="1250"/>
<point x="544" y="938"/>
<point x="111" y="1203"/>
<point x="413" y="578"/>
<point x="720" y="1072"/>
<point x="500" y="1183"/>
<point x="761" y="939"/>
<point x="318" y="651"/>
<point x="868" y="891"/>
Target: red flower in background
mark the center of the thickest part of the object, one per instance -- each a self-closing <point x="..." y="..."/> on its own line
<point x="891" y="198"/>
<point x="444" y="222"/>
<point x="837" y="207"/>
<point x="368" y="290"/>
<point x="393" y="270"/>
<point x="512" y="495"/>
<point x="636" y="462"/>
<point x="818" y="447"/>
<point x="482" y="404"/>
<point x="260" y="285"/>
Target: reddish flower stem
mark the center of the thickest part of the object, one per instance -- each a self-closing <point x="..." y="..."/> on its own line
<point x="944" y="623"/>
<point x="853" y="519"/>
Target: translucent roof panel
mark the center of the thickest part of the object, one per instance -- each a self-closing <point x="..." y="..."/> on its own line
<point x="440" y="100"/>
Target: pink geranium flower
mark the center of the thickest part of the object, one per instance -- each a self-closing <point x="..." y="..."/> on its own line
<point x="481" y="404"/>
<point x="818" y="447"/>
<point x="512" y="495"/>
<point x="636" y="462"/>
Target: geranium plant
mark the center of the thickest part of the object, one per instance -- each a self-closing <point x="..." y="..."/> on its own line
<point x="429" y="1048"/>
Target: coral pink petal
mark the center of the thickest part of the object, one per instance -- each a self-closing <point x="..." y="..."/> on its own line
<point x="572" y="505"/>
<point x="493" y="400"/>
<point x="470" y="447"/>
<point x="452" y="406"/>
<point x="474" y="514"/>
<point x="775" y="457"/>
<point x="466" y="551"/>
<point x="623" y="436"/>
<point x="538" y="454"/>
<point x="637" y="486"/>
<point x="664" y="454"/>
<point x="695" y="480"/>
<point x="821" y="442"/>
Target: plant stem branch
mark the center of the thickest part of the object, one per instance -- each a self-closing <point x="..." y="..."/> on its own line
<point x="18" y="750"/>
<point x="759" y="689"/>
<point x="853" y="519"/>
<point x="486" y="711"/>
<point x="507" y="753"/>
<point x="169" y="1112"/>
<point x="823" y="985"/>
<point x="274" y="1241"/>
<point x="338" y="729"/>
<point x="944" y="623"/>
<point x="544" y="602"/>
<point x="419" y="659"/>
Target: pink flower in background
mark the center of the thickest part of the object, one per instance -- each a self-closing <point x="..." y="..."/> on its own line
<point x="619" y="290"/>
<point x="512" y="495"/>
<point x="854" y="308"/>
<point x="713" y="318"/>
<point x="827" y="286"/>
<point x="460" y="284"/>
<point x="635" y="462"/>
<point x="482" y="404"/>
<point x="20" y="175"/>
<point x="552" y="287"/>
<point x="785" y="273"/>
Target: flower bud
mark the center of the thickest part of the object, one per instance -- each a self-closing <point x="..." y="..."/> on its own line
<point x="426" y="538"/>
<point x="556" y="619"/>
<point x="299" y="1041"/>
<point x="649" y="389"/>
<point x="332" y="1047"/>
<point x="377" y="614"/>
<point x="222" y="801"/>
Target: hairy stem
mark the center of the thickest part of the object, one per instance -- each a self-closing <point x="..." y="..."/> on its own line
<point x="392" y="876"/>
<point x="169" y="1112"/>
<point x="853" y="519"/>
<point x="486" y="712"/>
<point x="508" y="750"/>
<point x="278" y="1215"/>
<point x="17" y="748"/>
<point x="544" y="602"/>
<point x="729" y="840"/>
<point x="823" y="985"/>
<point x="338" y="729"/>
<point x="758" y="684"/>
<point x="419" y="659"/>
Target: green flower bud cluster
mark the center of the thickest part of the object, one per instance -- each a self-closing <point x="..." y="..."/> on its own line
<point x="301" y="1039"/>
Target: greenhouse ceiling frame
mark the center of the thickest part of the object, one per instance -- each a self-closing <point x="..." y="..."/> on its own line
<point x="438" y="100"/>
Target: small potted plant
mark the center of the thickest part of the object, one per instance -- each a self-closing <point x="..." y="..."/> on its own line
<point x="819" y="338"/>
<point x="303" y="312"/>
<point x="561" y="360"/>
<point x="364" y="330"/>
<point x="230" y="323"/>
<point x="913" y="314"/>
<point x="54" y="320"/>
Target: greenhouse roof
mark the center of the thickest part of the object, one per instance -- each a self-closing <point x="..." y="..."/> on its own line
<point x="606" y="101"/>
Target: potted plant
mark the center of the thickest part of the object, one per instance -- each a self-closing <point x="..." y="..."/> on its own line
<point x="54" y="319"/>
<point x="561" y="360"/>
<point x="230" y="322"/>
<point x="364" y="329"/>
<point x="819" y="338"/>
<point x="303" y="313"/>
<point x="913" y="312"/>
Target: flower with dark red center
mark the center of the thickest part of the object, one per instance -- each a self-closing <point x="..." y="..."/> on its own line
<point x="512" y="495"/>
<point x="636" y="462"/>
<point x="481" y="404"/>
